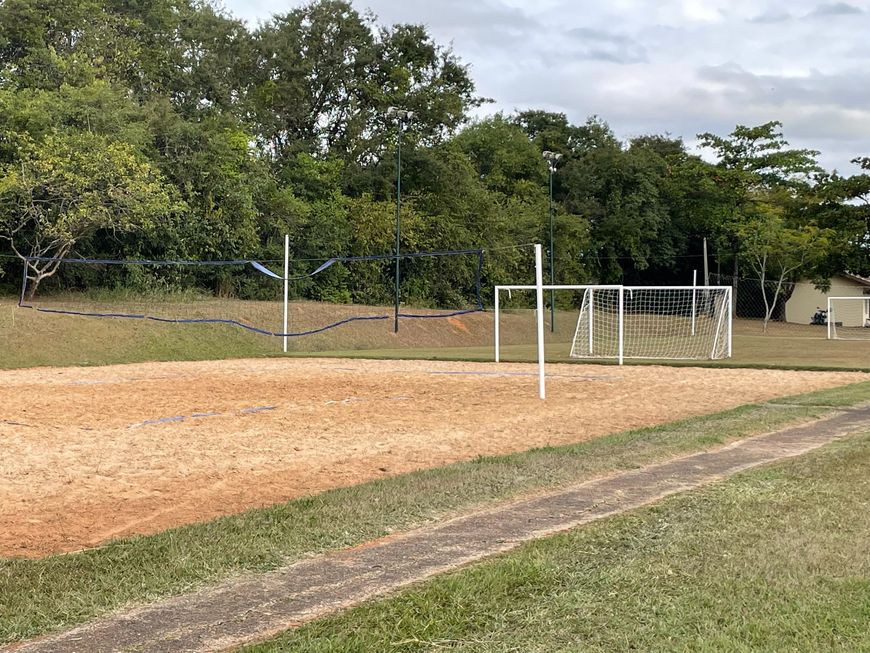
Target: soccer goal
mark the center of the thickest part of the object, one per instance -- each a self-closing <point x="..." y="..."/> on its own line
<point x="654" y="322"/>
<point x="643" y="322"/>
<point x="849" y="318"/>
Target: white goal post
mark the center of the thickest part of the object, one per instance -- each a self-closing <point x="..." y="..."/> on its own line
<point x="643" y="322"/>
<point x="849" y="318"/>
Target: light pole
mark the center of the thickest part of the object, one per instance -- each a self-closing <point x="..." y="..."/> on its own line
<point x="402" y="117"/>
<point x="552" y="158"/>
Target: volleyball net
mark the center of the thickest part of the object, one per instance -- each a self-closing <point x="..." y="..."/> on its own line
<point x="321" y="294"/>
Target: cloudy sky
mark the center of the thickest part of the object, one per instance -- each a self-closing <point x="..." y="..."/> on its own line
<point x="655" y="66"/>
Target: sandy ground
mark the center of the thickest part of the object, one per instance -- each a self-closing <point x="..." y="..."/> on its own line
<point x="91" y="454"/>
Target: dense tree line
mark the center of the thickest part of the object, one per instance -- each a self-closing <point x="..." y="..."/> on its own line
<point x="170" y="130"/>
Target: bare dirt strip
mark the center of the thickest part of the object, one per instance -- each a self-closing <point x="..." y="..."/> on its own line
<point x="261" y="606"/>
<point x="91" y="454"/>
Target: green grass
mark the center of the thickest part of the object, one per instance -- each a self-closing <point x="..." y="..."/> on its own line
<point x="763" y="352"/>
<point x="774" y="559"/>
<point x="37" y="596"/>
<point x="31" y="339"/>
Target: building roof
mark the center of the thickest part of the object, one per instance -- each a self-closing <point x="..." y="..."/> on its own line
<point x="864" y="281"/>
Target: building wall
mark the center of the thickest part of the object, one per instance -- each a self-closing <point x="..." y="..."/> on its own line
<point x="806" y="299"/>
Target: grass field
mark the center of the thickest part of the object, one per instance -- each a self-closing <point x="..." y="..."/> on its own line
<point x="37" y="596"/>
<point x="30" y="339"/>
<point x="773" y="560"/>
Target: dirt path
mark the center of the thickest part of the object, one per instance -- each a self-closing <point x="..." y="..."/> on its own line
<point x="90" y="454"/>
<point x="261" y="606"/>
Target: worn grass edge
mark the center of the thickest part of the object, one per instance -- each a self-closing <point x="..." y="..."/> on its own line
<point x="181" y="559"/>
<point x="384" y="608"/>
<point x="723" y="364"/>
<point x="411" y="354"/>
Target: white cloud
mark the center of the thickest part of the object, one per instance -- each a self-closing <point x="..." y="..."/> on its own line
<point x="677" y="66"/>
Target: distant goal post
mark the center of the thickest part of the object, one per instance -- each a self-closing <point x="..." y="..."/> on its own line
<point x="849" y="318"/>
<point x="618" y="322"/>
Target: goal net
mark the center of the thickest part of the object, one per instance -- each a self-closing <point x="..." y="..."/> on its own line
<point x="849" y="318"/>
<point x="654" y="322"/>
<point x="618" y="322"/>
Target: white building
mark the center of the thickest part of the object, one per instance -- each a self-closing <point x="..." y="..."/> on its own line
<point x="807" y="299"/>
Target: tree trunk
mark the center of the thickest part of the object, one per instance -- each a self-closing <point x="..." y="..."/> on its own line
<point x="30" y="289"/>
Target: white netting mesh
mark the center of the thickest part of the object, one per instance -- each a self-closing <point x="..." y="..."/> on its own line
<point x="657" y="323"/>
<point x="849" y="318"/>
<point x="597" y="331"/>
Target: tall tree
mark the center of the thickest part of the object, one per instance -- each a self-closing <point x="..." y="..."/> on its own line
<point x="755" y="164"/>
<point x="326" y="76"/>
<point x="844" y="207"/>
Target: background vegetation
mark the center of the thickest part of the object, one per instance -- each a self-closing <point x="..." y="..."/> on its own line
<point x="172" y="130"/>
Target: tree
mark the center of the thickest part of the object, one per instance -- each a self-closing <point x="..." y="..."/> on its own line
<point x="186" y="50"/>
<point x="755" y="164"/>
<point x="68" y="187"/>
<point x="325" y="76"/>
<point x="778" y="253"/>
<point x="843" y="206"/>
<point x="552" y="131"/>
<point x="502" y="154"/>
<point x="620" y="193"/>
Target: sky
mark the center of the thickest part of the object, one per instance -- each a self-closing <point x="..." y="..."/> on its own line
<point x="679" y="67"/>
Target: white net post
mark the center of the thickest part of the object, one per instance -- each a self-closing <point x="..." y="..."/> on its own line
<point x="830" y="319"/>
<point x="621" y="326"/>
<point x="539" y="302"/>
<point x="730" y="318"/>
<point x="599" y="332"/>
<point x="286" y="288"/>
<point x="591" y="320"/>
<point x="496" y="325"/>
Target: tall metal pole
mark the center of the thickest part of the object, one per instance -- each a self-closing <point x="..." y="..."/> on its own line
<point x="402" y="116"/>
<point x="398" y="221"/>
<point x="706" y="267"/>
<point x="552" y="260"/>
<point x="552" y="158"/>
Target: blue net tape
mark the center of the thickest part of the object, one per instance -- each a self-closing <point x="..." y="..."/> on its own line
<point x="267" y="272"/>
<point x="210" y="320"/>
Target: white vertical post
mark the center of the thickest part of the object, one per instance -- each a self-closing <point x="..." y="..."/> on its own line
<point x="497" y="317"/>
<point x="621" y="324"/>
<point x="829" y="319"/>
<point x="591" y="317"/>
<point x="730" y="316"/>
<point x="539" y="292"/>
<point x="694" y="298"/>
<point x="286" y="285"/>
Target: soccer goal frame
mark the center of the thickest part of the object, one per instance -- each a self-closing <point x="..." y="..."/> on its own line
<point x="863" y="318"/>
<point x="722" y="330"/>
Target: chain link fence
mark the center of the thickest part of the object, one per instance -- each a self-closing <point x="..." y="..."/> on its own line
<point x="795" y="309"/>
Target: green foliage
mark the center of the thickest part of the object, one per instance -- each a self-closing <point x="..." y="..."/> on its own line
<point x="248" y="134"/>
<point x="503" y="156"/>
<point x="67" y="188"/>
<point x="769" y="193"/>
<point x="843" y="206"/>
<point x="760" y="157"/>
<point x="324" y="78"/>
